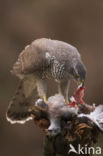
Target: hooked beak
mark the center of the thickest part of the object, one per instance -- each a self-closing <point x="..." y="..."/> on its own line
<point x="81" y="82"/>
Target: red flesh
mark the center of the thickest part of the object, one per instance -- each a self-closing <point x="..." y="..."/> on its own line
<point x="78" y="96"/>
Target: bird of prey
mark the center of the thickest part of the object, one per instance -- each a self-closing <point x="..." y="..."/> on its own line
<point x="46" y="59"/>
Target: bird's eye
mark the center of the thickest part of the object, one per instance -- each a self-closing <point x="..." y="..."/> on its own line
<point x="76" y="75"/>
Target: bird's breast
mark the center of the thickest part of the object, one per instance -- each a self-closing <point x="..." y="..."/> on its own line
<point x="56" y="71"/>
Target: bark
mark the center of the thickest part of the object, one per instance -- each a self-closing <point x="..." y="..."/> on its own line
<point x="74" y="130"/>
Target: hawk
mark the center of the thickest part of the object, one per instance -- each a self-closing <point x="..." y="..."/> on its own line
<point x="44" y="59"/>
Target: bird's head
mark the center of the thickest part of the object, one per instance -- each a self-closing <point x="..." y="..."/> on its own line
<point x="79" y="72"/>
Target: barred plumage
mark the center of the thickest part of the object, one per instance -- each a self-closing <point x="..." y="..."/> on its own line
<point x="47" y="59"/>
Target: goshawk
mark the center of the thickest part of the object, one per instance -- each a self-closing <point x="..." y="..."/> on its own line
<point x="41" y="60"/>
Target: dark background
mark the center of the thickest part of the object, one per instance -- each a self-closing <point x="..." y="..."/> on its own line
<point x="78" y="22"/>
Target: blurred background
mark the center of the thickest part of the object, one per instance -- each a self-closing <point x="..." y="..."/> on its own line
<point x="78" y="22"/>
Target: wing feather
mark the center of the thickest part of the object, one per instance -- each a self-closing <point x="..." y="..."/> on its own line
<point x="33" y="57"/>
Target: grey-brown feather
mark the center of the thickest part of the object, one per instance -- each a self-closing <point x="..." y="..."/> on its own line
<point x="46" y="59"/>
<point x="33" y="58"/>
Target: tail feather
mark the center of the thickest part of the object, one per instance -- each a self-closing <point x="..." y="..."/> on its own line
<point x="19" y="106"/>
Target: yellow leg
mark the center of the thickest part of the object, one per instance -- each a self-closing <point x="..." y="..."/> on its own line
<point x="63" y="89"/>
<point x="45" y="99"/>
<point x="67" y="100"/>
